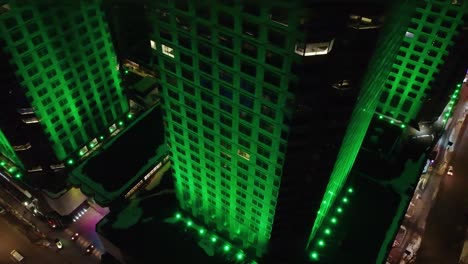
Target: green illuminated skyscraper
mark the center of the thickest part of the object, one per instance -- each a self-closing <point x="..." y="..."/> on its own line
<point x="248" y="114"/>
<point x="64" y="91"/>
<point x="411" y="55"/>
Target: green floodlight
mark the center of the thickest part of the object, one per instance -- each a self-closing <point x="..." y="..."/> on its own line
<point x="2" y="163"/>
<point x="226" y="248"/>
<point x="240" y="256"/>
<point x="101" y="137"/>
<point x="459" y="85"/>
<point x="314" y="255"/>
<point x="18" y="175"/>
<point x="345" y="200"/>
<point x="321" y="243"/>
<point x="126" y="71"/>
<point x="334" y="220"/>
<point x="327" y="231"/>
<point x="392" y="121"/>
<point x="339" y="210"/>
<point x="11" y="169"/>
<point x="129" y="116"/>
<point x="350" y="190"/>
<point x="380" y="116"/>
<point x="201" y="231"/>
<point x="70" y="161"/>
<point x="189" y="223"/>
<point x="213" y="239"/>
<point x="120" y="123"/>
<point x="178" y="215"/>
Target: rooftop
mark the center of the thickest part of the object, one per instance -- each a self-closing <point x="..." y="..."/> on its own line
<point x="120" y="162"/>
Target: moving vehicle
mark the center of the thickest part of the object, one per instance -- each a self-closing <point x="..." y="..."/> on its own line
<point x="90" y="249"/>
<point x="17" y="257"/>
<point x="58" y="243"/>
<point x="75" y="236"/>
<point x="450" y="171"/>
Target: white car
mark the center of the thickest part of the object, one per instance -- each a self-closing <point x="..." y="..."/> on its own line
<point x="16" y="256"/>
<point x="450" y="171"/>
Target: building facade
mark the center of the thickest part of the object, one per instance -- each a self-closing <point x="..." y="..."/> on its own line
<point x="244" y="101"/>
<point x="65" y="86"/>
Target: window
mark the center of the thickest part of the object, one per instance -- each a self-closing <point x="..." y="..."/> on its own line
<point x="185" y="42"/>
<point x="276" y="38"/>
<point x="167" y="50"/>
<point x="248" y="68"/>
<point x="185" y="58"/>
<point x="279" y="16"/>
<point x="249" y="49"/>
<point x="249" y="29"/>
<point x="153" y="44"/>
<point x="272" y="78"/>
<point x="245" y="130"/>
<point x="313" y="49"/>
<point x="225" y="40"/>
<point x="274" y="59"/>
<point x="243" y="154"/>
<point x="226" y="20"/>
<point x="226" y="59"/>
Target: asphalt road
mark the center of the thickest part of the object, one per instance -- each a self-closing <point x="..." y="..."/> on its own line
<point x="13" y="237"/>
<point x="15" y="234"/>
<point x="447" y="220"/>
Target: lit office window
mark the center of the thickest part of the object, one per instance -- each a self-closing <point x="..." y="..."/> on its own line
<point x="313" y="49"/>
<point x="167" y="50"/>
<point x="153" y="44"/>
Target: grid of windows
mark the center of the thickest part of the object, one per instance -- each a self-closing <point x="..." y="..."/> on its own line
<point x="66" y="63"/>
<point x="225" y="104"/>
<point x="422" y="51"/>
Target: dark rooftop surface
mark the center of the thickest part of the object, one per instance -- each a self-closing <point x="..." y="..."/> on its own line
<point x="373" y="208"/>
<point x="117" y="164"/>
<point x="144" y="236"/>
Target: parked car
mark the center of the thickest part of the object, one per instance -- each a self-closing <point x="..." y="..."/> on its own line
<point x="17" y="257"/>
<point x="410" y="210"/>
<point x="399" y="237"/>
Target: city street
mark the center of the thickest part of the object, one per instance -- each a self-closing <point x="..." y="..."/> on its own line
<point x="447" y="221"/>
<point x="26" y="233"/>
<point x="433" y="230"/>
<point x="13" y="237"/>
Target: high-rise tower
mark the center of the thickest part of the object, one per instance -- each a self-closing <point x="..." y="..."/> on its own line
<point x="255" y="110"/>
<point x="64" y="89"/>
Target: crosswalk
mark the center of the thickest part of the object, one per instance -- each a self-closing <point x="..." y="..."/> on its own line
<point x="83" y="243"/>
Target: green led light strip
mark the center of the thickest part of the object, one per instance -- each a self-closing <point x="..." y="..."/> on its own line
<point x="326" y="236"/>
<point x="93" y="146"/>
<point x="453" y="99"/>
<point x="224" y="246"/>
